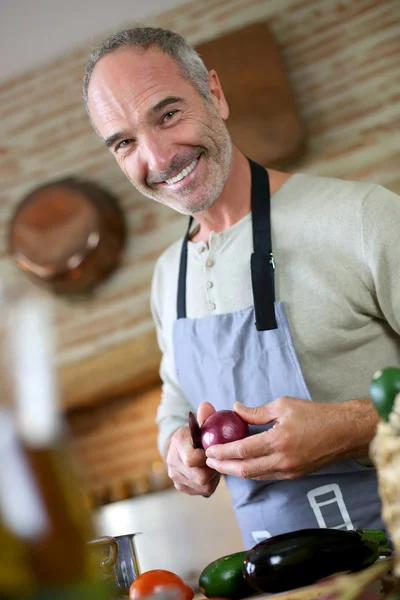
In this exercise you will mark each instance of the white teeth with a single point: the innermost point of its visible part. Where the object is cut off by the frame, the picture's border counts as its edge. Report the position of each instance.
(183, 173)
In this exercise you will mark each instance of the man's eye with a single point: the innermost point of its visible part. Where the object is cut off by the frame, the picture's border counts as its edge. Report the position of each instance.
(123, 144)
(169, 115)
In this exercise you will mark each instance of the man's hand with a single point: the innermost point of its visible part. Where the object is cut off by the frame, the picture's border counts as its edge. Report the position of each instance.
(186, 466)
(306, 436)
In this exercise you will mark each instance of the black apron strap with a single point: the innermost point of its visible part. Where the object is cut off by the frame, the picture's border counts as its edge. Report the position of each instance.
(181, 299)
(262, 260)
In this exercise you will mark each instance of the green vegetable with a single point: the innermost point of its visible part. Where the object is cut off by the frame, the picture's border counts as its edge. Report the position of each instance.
(376, 536)
(223, 578)
(384, 388)
(301, 558)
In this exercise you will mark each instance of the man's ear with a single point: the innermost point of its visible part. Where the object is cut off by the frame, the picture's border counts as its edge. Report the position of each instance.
(217, 95)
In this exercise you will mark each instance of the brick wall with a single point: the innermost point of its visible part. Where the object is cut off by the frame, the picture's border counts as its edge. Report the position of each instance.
(116, 446)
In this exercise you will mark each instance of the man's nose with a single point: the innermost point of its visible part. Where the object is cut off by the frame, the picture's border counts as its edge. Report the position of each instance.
(157, 153)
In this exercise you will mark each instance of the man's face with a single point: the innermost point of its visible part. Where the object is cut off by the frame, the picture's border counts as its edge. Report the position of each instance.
(170, 142)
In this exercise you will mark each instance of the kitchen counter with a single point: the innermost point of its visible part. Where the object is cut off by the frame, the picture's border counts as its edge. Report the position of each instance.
(178, 532)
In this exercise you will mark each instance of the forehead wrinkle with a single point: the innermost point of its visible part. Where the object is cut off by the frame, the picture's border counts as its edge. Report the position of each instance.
(131, 117)
(121, 103)
(146, 98)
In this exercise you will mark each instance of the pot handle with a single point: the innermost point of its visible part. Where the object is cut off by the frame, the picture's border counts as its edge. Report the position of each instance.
(107, 563)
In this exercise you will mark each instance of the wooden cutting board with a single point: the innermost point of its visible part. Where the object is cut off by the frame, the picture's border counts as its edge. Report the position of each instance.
(264, 122)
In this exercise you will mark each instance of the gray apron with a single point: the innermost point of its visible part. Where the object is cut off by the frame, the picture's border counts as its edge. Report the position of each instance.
(249, 356)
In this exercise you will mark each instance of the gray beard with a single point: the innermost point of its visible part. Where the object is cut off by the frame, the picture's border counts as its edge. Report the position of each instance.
(214, 195)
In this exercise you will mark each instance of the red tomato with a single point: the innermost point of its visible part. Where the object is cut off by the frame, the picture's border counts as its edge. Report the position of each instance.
(159, 580)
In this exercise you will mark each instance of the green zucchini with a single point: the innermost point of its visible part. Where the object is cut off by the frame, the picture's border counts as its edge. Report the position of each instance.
(223, 578)
(384, 388)
(301, 558)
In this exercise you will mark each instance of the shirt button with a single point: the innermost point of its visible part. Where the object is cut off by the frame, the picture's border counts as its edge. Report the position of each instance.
(211, 306)
(201, 249)
(209, 262)
(209, 285)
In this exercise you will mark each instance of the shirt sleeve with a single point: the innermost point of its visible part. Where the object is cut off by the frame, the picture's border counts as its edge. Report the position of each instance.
(381, 246)
(174, 408)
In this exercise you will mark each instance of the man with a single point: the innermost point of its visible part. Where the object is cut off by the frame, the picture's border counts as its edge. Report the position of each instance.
(267, 250)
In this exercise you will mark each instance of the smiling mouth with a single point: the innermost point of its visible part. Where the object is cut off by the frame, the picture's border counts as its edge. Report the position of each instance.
(184, 173)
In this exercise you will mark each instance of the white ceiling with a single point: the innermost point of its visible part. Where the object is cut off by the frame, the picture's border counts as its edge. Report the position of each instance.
(32, 32)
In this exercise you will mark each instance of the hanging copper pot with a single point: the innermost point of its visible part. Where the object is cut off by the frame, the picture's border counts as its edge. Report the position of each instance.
(68, 235)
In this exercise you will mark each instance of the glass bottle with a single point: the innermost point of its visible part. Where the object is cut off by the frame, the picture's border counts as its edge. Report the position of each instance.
(42, 512)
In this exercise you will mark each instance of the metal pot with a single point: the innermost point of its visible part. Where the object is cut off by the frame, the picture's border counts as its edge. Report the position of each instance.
(68, 236)
(118, 559)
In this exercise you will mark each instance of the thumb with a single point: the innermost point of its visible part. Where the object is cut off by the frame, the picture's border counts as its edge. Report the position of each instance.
(204, 411)
(259, 415)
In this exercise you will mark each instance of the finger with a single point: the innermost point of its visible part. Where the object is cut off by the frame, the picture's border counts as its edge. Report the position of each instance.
(259, 415)
(183, 479)
(202, 480)
(201, 476)
(186, 489)
(252, 468)
(191, 457)
(213, 485)
(276, 476)
(204, 411)
(207, 491)
(260, 444)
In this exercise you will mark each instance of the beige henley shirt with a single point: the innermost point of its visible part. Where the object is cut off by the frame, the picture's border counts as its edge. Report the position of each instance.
(337, 252)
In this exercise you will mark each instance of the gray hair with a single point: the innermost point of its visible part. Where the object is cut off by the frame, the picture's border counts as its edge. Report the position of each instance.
(188, 60)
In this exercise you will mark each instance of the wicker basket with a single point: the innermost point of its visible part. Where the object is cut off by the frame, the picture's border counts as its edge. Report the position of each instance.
(385, 452)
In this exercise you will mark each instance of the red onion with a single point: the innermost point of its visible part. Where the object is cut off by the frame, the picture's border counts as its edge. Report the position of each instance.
(222, 427)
